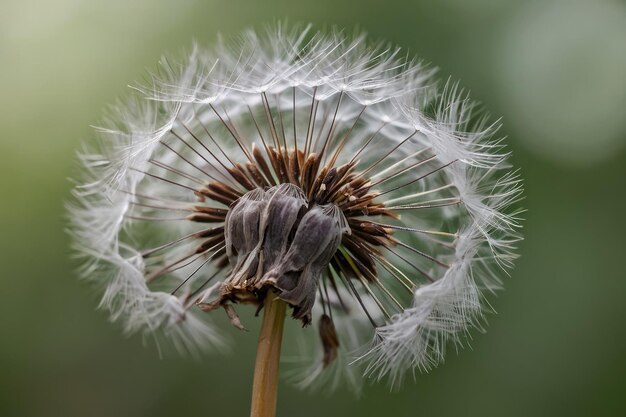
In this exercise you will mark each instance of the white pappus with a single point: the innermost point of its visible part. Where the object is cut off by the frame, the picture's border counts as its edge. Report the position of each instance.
(339, 174)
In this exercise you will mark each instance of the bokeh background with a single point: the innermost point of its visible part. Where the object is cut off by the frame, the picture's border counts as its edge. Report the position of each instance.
(554, 69)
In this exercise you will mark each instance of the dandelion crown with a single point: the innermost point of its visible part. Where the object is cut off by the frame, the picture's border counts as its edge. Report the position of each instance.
(328, 174)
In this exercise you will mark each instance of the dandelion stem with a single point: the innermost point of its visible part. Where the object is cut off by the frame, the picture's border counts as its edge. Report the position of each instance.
(264, 387)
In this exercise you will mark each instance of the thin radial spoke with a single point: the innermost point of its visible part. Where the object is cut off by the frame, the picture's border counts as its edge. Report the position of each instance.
(267, 151)
(394, 272)
(380, 285)
(346, 137)
(295, 132)
(348, 283)
(325, 119)
(419, 194)
(232, 133)
(410, 229)
(312, 115)
(402, 171)
(453, 201)
(377, 282)
(176, 171)
(380, 305)
(375, 279)
(165, 269)
(367, 143)
(400, 162)
(363, 281)
(185, 159)
(163, 179)
(332, 126)
(194, 150)
(212, 155)
(333, 283)
(418, 178)
(201, 287)
(382, 158)
(136, 203)
(196, 270)
(270, 120)
(214, 141)
(280, 118)
(160, 200)
(151, 251)
(420, 253)
(154, 219)
(418, 269)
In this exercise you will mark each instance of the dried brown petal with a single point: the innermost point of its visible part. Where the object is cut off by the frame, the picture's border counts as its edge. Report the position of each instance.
(330, 341)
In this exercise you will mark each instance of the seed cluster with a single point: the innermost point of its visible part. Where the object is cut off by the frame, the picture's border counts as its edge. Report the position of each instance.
(284, 237)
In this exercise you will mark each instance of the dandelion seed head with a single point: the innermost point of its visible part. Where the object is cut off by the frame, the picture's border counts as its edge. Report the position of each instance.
(331, 171)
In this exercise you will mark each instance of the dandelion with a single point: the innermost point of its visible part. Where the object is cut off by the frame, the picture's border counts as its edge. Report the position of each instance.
(301, 173)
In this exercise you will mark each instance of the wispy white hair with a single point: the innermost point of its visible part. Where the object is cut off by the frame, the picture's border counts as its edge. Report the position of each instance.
(399, 94)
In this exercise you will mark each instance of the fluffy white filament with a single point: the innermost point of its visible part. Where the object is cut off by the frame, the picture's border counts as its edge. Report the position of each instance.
(400, 97)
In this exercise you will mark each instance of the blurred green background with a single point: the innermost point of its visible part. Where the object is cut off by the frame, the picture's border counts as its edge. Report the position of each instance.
(556, 72)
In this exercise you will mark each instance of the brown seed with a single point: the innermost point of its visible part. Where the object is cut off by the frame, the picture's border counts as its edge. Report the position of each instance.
(330, 341)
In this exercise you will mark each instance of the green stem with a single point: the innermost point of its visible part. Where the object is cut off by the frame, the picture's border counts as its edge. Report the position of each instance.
(265, 385)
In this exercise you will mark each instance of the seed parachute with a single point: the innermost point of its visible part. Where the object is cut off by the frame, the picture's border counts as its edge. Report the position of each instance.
(339, 176)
